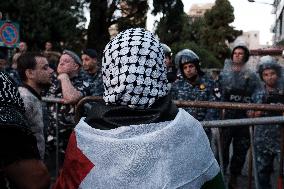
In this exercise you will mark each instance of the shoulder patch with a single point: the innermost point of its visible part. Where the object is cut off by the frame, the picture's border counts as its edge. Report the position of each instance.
(202, 86)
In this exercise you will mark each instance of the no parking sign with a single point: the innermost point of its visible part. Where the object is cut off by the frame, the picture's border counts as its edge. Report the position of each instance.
(9, 34)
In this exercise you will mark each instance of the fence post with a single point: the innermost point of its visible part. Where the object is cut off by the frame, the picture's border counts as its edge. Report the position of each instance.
(57, 141)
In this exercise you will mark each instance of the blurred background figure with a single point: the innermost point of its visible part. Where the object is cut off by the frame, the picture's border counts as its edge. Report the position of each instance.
(48, 46)
(92, 72)
(171, 69)
(3, 61)
(23, 47)
(267, 137)
(14, 60)
(238, 84)
(51, 55)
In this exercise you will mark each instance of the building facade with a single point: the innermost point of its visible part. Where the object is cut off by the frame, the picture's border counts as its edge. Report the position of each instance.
(198, 10)
(250, 38)
(278, 28)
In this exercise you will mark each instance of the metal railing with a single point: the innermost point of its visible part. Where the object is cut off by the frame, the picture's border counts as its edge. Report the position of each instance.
(56, 102)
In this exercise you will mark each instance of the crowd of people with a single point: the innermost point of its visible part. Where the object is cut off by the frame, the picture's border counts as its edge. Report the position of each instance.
(135, 137)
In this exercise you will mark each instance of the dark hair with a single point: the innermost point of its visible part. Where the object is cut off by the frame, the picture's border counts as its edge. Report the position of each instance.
(90, 52)
(27, 61)
(245, 49)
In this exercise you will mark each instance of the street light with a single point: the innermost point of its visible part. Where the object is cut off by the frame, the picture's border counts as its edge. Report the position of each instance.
(261, 2)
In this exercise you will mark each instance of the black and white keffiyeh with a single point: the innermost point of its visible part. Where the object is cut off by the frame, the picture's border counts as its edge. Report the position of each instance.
(11, 105)
(134, 73)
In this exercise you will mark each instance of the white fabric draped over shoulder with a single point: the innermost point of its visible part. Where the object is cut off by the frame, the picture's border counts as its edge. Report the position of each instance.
(172, 154)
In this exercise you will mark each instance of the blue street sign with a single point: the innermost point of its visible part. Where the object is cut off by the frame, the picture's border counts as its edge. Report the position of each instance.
(9, 34)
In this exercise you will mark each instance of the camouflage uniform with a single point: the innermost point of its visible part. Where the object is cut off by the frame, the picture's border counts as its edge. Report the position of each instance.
(267, 138)
(66, 112)
(237, 87)
(201, 91)
(95, 82)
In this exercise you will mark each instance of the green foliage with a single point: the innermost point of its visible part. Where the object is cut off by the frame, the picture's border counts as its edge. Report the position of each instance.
(280, 43)
(217, 31)
(221, 14)
(206, 57)
(100, 20)
(102, 16)
(43, 20)
(165, 6)
(136, 15)
(63, 21)
(207, 36)
(171, 24)
(192, 29)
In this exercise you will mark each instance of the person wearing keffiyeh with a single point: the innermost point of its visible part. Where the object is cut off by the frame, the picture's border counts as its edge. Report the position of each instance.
(20, 164)
(136, 137)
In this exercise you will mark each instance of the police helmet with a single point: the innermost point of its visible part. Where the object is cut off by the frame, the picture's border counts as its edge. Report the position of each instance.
(268, 62)
(188, 56)
(167, 50)
(246, 50)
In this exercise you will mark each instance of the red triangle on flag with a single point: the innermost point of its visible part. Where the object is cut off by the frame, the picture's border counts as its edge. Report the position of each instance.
(75, 168)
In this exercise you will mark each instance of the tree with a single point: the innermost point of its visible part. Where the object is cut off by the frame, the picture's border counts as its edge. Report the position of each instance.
(100, 19)
(47, 20)
(217, 32)
(280, 43)
(180, 31)
(207, 58)
(134, 14)
(171, 24)
(124, 13)
(193, 29)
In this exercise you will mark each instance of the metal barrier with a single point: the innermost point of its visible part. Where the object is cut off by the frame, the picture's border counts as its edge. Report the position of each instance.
(197, 104)
(55, 101)
(52, 100)
(243, 122)
(230, 105)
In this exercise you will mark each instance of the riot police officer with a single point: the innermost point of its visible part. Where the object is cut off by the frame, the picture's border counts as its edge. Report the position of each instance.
(267, 137)
(171, 70)
(193, 85)
(238, 84)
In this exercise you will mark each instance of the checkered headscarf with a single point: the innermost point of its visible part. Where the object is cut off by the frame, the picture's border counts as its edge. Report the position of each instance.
(11, 105)
(134, 73)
